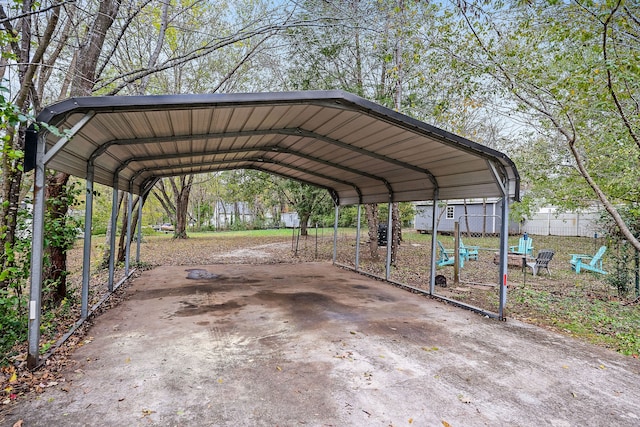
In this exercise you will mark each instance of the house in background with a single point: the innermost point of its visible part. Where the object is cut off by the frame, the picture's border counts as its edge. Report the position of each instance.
(290, 219)
(477, 216)
(226, 214)
(483, 216)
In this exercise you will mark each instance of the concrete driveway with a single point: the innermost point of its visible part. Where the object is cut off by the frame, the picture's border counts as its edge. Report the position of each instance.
(315, 345)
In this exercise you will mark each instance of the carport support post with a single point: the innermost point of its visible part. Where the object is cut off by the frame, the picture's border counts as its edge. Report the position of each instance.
(434, 238)
(86, 258)
(335, 234)
(127, 245)
(456, 251)
(37, 254)
(140, 201)
(358, 237)
(504, 236)
(112, 238)
(387, 272)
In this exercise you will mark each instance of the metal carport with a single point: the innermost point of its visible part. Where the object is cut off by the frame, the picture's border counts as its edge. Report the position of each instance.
(359, 151)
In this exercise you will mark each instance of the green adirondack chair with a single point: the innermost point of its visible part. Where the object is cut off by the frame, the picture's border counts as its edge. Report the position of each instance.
(469, 252)
(446, 256)
(581, 262)
(525, 247)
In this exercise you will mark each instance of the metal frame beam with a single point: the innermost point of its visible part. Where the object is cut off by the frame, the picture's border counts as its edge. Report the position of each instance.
(362, 151)
(267, 149)
(503, 185)
(251, 165)
(60, 144)
(434, 246)
(37, 255)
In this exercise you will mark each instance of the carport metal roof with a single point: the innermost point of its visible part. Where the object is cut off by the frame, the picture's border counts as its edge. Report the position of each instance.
(360, 151)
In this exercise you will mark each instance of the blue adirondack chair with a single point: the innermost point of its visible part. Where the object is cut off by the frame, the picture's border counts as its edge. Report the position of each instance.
(469, 252)
(525, 247)
(581, 262)
(446, 256)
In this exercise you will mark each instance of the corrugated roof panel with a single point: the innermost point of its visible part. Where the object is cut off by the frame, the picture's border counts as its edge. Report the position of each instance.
(97, 131)
(320, 117)
(126, 125)
(332, 139)
(201, 119)
(291, 116)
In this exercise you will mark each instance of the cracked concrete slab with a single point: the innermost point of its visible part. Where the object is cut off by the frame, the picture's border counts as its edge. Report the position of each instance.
(313, 344)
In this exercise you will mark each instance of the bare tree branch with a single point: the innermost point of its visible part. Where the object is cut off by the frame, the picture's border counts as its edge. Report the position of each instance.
(4, 19)
(132, 76)
(612, 91)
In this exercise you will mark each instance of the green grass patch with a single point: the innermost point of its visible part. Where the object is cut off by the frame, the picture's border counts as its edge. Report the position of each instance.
(609, 323)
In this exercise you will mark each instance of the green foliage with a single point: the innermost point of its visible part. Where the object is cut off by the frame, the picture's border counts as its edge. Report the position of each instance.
(306, 200)
(407, 213)
(568, 71)
(13, 300)
(349, 217)
(13, 320)
(61, 231)
(623, 254)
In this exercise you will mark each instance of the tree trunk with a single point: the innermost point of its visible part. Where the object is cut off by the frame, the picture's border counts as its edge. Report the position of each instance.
(372, 222)
(106, 254)
(395, 232)
(484, 217)
(123, 229)
(181, 196)
(82, 84)
(165, 200)
(12, 180)
(466, 217)
(55, 271)
(304, 220)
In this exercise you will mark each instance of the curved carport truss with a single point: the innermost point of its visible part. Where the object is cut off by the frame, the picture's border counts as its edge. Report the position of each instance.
(359, 151)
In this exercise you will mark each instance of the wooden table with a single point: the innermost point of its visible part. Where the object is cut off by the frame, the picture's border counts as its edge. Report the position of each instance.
(513, 259)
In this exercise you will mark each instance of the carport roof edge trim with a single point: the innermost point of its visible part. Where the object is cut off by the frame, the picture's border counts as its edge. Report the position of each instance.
(57, 113)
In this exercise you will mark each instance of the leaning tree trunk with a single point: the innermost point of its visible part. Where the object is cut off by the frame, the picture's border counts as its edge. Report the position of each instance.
(123, 229)
(106, 254)
(81, 85)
